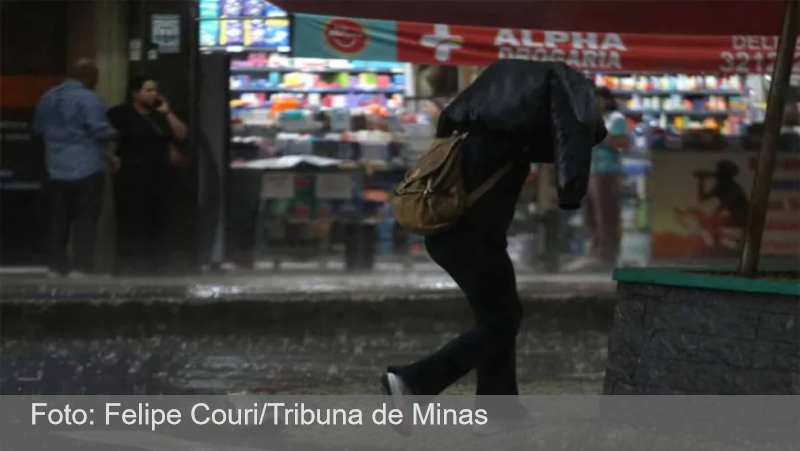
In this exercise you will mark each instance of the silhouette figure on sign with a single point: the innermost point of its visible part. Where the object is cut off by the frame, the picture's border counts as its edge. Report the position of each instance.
(729, 218)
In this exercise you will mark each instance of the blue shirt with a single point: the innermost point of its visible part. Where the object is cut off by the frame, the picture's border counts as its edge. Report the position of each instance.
(606, 159)
(72, 121)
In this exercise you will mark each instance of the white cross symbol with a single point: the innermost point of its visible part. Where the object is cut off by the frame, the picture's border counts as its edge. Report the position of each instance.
(442, 41)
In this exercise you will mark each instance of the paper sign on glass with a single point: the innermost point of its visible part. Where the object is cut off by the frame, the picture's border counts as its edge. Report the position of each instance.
(334, 186)
(277, 186)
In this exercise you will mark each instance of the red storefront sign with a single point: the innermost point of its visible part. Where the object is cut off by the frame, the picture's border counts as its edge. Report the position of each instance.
(609, 52)
(676, 17)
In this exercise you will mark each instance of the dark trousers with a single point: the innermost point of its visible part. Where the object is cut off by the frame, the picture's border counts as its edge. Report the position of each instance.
(474, 254)
(74, 208)
(141, 217)
(602, 216)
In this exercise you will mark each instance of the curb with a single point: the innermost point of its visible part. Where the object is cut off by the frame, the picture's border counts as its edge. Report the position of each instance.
(361, 312)
(15, 292)
(33, 308)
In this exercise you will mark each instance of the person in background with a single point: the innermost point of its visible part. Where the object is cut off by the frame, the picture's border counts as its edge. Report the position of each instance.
(433, 109)
(602, 204)
(148, 131)
(72, 122)
(790, 131)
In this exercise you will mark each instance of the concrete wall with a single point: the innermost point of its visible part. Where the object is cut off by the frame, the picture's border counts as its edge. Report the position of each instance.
(34, 50)
(110, 29)
(674, 340)
(39, 39)
(99, 29)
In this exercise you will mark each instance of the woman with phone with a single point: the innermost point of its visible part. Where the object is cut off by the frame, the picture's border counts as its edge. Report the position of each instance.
(145, 157)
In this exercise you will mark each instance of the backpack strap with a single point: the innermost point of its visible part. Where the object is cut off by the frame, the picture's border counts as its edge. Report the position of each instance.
(488, 184)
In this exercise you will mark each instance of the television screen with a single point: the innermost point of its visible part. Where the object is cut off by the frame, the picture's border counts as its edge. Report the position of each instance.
(209, 9)
(236, 9)
(243, 23)
(262, 33)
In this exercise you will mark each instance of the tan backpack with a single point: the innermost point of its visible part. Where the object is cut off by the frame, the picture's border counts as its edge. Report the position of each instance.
(431, 197)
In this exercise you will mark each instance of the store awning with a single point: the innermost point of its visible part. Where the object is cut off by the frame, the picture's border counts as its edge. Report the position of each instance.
(682, 17)
(388, 40)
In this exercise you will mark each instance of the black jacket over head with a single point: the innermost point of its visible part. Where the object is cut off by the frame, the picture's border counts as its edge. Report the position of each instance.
(549, 107)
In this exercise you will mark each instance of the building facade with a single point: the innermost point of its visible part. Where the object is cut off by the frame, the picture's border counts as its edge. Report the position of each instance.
(38, 41)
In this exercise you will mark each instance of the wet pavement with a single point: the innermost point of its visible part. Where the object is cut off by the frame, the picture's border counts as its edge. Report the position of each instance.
(275, 332)
(273, 304)
(305, 362)
(284, 286)
(335, 339)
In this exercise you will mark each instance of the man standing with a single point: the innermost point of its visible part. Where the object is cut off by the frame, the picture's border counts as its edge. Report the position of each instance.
(71, 118)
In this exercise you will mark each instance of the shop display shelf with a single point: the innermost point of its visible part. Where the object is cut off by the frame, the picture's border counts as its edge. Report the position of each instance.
(314, 70)
(244, 49)
(354, 90)
(681, 112)
(272, 15)
(684, 92)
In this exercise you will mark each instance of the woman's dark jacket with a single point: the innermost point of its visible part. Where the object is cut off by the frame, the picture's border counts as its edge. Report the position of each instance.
(549, 106)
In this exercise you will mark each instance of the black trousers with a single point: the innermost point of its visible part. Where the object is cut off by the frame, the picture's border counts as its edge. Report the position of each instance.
(474, 254)
(141, 201)
(74, 208)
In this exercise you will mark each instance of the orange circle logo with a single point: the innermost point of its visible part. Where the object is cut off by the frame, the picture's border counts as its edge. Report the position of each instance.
(346, 36)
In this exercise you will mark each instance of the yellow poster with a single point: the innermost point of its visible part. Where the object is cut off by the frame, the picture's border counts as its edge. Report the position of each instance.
(700, 200)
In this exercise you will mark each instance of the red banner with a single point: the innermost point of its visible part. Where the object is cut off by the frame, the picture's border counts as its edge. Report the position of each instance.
(606, 52)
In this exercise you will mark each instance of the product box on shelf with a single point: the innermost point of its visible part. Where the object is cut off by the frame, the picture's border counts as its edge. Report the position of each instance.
(232, 8)
(209, 33)
(703, 140)
(209, 9)
(341, 150)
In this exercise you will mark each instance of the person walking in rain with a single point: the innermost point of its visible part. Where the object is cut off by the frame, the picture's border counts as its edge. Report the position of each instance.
(515, 113)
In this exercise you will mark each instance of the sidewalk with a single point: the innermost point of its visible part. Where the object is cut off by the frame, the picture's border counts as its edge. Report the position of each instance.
(286, 286)
(259, 304)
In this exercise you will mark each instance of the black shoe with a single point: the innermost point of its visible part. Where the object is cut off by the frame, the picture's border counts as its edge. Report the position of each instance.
(398, 393)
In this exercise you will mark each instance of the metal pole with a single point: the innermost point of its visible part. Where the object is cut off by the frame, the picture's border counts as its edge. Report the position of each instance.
(759, 197)
(144, 36)
(194, 132)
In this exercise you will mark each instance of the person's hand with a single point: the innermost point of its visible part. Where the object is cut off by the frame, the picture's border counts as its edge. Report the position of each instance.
(177, 159)
(163, 108)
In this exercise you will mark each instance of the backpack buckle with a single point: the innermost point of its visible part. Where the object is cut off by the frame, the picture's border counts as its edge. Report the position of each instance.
(428, 189)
